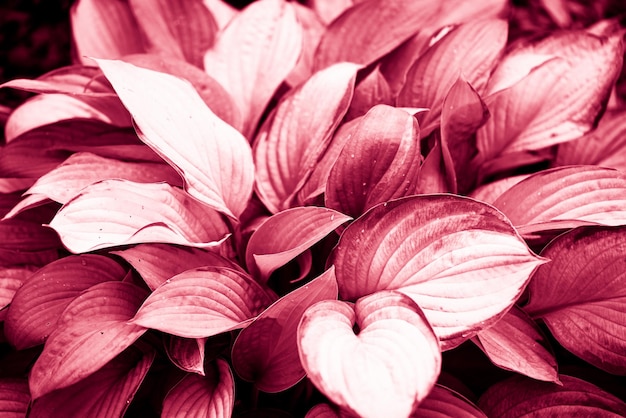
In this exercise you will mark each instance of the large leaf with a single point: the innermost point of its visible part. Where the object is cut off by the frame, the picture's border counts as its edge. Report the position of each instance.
(14, 397)
(284, 236)
(386, 369)
(119, 212)
(519, 396)
(107, 392)
(254, 54)
(92, 330)
(581, 295)
(198, 396)
(48, 292)
(158, 262)
(174, 121)
(266, 351)
(294, 138)
(203, 302)
(27, 243)
(577, 194)
(516, 343)
(379, 162)
(460, 260)
(442, 402)
(470, 50)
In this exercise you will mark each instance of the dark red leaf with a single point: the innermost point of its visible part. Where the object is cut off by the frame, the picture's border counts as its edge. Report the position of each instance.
(186, 353)
(11, 279)
(14, 397)
(442, 402)
(21, 235)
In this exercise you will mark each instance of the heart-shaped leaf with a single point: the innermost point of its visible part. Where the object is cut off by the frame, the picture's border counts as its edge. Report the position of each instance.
(266, 351)
(92, 330)
(293, 139)
(254, 54)
(107, 392)
(520, 396)
(48, 292)
(516, 343)
(460, 260)
(198, 396)
(158, 262)
(386, 369)
(581, 295)
(167, 110)
(119, 212)
(14, 397)
(203, 302)
(380, 162)
(284, 236)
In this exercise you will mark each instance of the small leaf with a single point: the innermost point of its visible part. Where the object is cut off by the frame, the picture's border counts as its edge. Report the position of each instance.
(11, 279)
(266, 351)
(92, 330)
(14, 397)
(519, 396)
(174, 121)
(119, 212)
(371, 90)
(581, 295)
(282, 237)
(442, 402)
(107, 392)
(516, 343)
(78, 80)
(385, 370)
(254, 54)
(197, 396)
(460, 260)
(293, 139)
(186, 353)
(203, 302)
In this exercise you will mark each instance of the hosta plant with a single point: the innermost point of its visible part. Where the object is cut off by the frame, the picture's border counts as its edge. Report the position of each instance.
(397, 208)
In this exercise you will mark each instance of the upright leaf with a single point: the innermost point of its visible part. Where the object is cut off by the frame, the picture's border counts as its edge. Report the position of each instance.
(188, 354)
(459, 259)
(213, 158)
(581, 295)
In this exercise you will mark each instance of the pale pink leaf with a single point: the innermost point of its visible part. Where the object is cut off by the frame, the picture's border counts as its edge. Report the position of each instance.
(296, 135)
(14, 397)
(186, 353)
(581, 296)
(158, 262)
(470, 51)
(222, 12)
(198, 396)
(380, 162)
(107, 392)
(490, 192)
(329, 10)
(78, 80)
(203, 302)
(312, 30)
(442, 402)
(254, 54)
(516, 343)
(282, 237)
(92, 330)
(519, 396)
(266, 351)
(461, 260)
(120, 212)
(214, 159)
(386, 369)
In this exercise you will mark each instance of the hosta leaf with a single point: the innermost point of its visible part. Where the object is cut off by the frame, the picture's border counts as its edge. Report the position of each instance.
(104, 29)
(203, 302)
(187, 353)
(266, 351)
(27, 243)
(459, 259)
(213, 158)
(282, 237)
(581, 295)
(471, 50)
(14, 397)
(379, 162)
(107, 392)
(197, 396)
(434, 177)
(77, 80)
(119, 212)
(442, 402)
(490, 192)
(293, 139)
(222, 12)
(254, 54)
(11, 279)
(579, 194)
(158, 262)
(312, 30)
(384, 370)
(516, 343)
(183, 29)
(519, 396)
(92, 330)
(322, 410)
(329, 10)
(371, 90)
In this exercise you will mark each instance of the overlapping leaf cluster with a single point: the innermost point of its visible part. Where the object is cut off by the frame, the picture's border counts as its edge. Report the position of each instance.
(321, 203)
